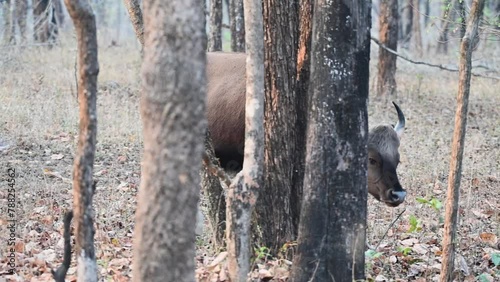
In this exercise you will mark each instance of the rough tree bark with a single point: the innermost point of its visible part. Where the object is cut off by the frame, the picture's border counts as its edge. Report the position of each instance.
(244, 189)
(333, 220)
(173, 114)
(215, 38)
(458, 143)
(83, 186)
(135, 14)
(237, 25)
(287, 35)
(388, 35)
(274, 210)
(8, 7)
(214, 194)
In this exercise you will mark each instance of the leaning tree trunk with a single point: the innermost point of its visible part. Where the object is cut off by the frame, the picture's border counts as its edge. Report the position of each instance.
(244, 190)
(237, 25)
(215, 39)
(173, 114)
(388, 36)
(135, 14)
(333, 220)
(458, 143)
(83, 186)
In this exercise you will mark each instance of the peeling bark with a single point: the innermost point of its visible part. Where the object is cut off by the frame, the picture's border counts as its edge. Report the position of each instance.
(83, 185)
(458, 143)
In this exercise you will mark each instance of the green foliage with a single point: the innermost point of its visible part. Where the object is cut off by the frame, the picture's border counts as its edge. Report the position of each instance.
(261, 253)
(483, 278)
(405, 250)
(433, 203)
(495, 258)
(372, 254)
(415, 224)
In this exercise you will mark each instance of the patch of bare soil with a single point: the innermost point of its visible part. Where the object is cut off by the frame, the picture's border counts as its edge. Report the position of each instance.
(39, 123)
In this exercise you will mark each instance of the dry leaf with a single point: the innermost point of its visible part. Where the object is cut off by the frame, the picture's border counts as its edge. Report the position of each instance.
(489, 238)
(57, 156)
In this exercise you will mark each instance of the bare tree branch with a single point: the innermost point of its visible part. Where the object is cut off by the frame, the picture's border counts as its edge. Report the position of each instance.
(428, 64)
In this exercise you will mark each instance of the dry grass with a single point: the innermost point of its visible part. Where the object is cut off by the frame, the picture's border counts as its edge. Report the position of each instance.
(39, 121)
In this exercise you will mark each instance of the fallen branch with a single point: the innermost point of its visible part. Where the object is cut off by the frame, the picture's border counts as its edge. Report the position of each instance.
(60, 274)
(425, 63)
(387, 230)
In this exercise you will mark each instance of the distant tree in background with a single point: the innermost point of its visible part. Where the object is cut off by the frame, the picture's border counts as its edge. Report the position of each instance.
(237, 25)
(416, 35)
(215, 37)
(388, 35)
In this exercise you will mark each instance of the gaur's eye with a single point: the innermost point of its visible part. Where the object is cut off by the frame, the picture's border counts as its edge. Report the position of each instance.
(372, 161)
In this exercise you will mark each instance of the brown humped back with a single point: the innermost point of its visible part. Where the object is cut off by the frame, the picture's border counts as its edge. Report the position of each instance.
(226, 104)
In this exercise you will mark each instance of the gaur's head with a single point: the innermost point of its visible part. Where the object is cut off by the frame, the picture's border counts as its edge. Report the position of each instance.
(383, 160)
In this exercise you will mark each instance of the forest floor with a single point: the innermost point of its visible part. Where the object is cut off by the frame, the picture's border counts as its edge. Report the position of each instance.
(39, 125)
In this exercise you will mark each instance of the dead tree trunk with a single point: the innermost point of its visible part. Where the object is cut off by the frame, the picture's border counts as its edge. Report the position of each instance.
(333, 220)
(427, 12)
(237, 25)
(135, 14)
(243, 192)
(83, 186)
(388, 35)
(215, 39)
(173, 114)
(458, 143)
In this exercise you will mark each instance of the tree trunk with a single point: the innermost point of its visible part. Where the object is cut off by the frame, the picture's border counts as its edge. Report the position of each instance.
(237, 25)
(243, 192)
(59, 12)
(274, 212)
(215, 39)
(409, 21)
(173, 114)
(301, 106)
(445, 26)
(45, 28)
(6, 21)
(388, 36)
(214, 194)
(417, 35)
(427, 12)
(83, 186)
(21, 12)
(458, 143)
(333, 220)
(135, 14)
